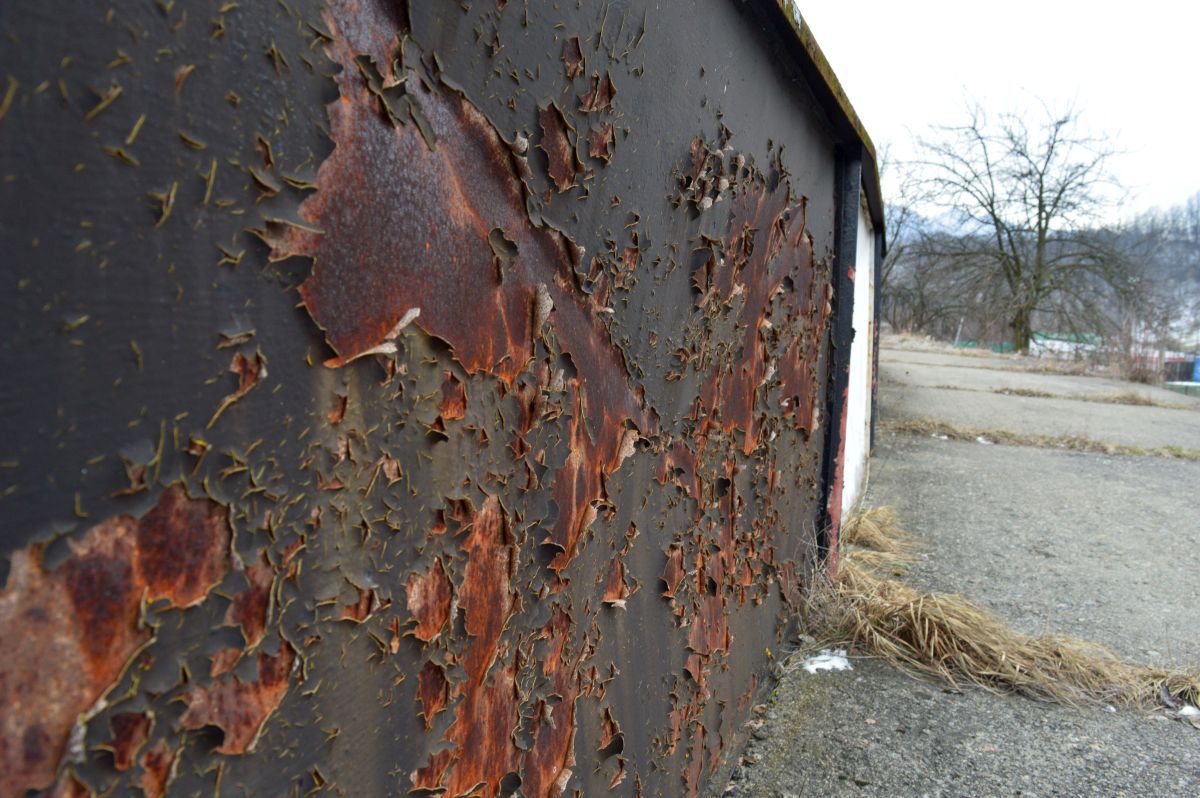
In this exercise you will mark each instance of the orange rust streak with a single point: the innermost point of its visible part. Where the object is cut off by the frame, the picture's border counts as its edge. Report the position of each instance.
(547, 765)
(487, 716)
(486, 594)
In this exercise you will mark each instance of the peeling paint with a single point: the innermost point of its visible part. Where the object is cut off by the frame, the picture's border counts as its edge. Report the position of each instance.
(240, 708)
(430, 597)
(548, 311)
(82, 623)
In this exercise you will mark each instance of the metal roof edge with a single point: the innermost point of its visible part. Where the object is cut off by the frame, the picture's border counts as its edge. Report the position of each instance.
(835, 96)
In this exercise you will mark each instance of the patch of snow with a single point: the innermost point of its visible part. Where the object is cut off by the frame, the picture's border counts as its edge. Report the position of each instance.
(828, 660)
(1189, 711)
(983, 440)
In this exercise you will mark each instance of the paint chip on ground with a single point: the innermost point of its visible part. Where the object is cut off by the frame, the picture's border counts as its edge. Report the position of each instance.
(828, 660)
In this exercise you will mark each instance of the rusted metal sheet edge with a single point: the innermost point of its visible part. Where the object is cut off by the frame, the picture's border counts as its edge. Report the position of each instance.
(841, 336)
(836, 101)
(806, 39)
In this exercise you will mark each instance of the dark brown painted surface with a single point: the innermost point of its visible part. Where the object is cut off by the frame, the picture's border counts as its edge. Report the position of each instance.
(403, 397)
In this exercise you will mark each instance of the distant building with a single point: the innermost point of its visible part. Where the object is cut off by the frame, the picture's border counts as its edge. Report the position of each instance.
(1065, 346)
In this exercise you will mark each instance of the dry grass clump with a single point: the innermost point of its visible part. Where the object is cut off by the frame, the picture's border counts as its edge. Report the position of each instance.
(877, 528)
(875, 539)
(1026, 392)
(1123, 398)
(949, 637)
(923, 426)
(1133, 398)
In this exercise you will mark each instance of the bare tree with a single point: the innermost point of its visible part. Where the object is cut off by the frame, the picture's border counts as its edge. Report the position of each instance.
(1022, 205)
(1161, 309)
(909, 301)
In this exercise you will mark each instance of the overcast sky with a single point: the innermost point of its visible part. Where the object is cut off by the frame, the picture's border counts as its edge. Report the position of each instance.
(1130, 68)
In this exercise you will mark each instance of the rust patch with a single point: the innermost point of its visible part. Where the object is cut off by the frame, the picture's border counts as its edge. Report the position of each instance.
(250, 608)
(769, 244)
(555, 633)
(80, 622)
(673, 571)
(482, 734)
(558, 145)
(600, 95)
(547, 766)
(158, 768)
(601, 141)
(182, 548)
(429, 600)
(223, 661)
(484, 750)
(130, 730)
(454, 398)
(616, 591)
(433, 691)
(710, 628)
(486, 594)
(240, 709)
(695, 766)
(423, 251)
(580, 482)
(572, 57)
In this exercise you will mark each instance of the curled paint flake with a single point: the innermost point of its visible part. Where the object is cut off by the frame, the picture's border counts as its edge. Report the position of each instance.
(600, 95)
(572, 57)
(673, 571)
(616, 591)
(250, 372)
(386, 347)
(601, 142)
(563, 163)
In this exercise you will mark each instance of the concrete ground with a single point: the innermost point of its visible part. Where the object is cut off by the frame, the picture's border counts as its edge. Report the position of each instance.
(962, 390)
(1101, 547)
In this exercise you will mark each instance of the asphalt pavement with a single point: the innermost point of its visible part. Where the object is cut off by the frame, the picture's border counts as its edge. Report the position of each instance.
(1096, 546)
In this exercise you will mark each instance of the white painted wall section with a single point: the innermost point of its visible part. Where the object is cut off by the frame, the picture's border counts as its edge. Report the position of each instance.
(858, 402)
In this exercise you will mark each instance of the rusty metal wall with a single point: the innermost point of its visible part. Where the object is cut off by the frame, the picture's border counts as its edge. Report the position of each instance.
(405, 397)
